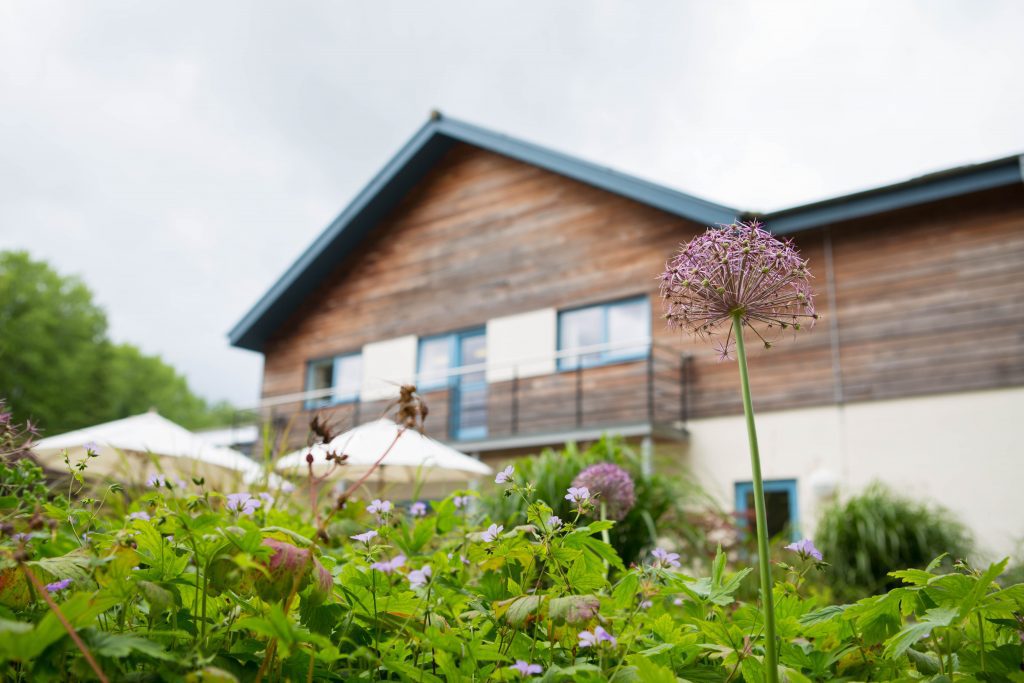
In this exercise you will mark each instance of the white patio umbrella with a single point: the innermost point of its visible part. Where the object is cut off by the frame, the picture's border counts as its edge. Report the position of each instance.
(414, 458)
(135, 448)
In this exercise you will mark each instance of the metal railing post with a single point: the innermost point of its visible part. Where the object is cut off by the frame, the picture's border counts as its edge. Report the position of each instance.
(650, 384)
(579, 393)
(515, 401)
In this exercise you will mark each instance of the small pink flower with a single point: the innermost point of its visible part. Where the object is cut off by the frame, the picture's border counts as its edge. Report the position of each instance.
(663, 558)
(419, 577)
(365, 537)
(58, 586)
(492, 532)
(526, 669)
(141, 514)
(505, 475)
(418, 509)
(379, 507)
(389, 566)
(805, 548)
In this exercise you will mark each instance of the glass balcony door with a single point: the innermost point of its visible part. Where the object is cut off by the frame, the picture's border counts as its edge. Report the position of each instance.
(469, 390)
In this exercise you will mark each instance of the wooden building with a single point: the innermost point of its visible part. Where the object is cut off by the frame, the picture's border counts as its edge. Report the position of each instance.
(516, 287)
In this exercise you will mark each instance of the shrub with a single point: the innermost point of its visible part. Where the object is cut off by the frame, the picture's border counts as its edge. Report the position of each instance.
(875, 531)
(658, 498)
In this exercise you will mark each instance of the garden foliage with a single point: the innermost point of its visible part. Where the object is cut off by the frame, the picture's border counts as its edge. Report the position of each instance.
(184, 584)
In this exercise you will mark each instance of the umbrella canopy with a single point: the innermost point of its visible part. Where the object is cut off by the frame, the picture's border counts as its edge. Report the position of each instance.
(413, 458)
(134, 449)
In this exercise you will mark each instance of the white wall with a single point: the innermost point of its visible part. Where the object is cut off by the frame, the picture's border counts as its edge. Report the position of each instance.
(961, 450)
(522, 337)
(387, 364)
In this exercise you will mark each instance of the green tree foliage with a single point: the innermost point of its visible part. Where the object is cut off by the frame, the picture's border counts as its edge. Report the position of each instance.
(868, 535)
(58, 367)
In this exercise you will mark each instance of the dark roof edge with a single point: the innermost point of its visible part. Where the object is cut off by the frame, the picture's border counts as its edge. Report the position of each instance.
(661, 197)
(922, 190)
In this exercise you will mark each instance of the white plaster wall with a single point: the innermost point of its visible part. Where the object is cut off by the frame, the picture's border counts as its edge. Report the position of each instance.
(960, 450)
(387, 364)
(513, 339)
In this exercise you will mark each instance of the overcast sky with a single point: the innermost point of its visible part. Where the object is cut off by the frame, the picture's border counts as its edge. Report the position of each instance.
(179, 155)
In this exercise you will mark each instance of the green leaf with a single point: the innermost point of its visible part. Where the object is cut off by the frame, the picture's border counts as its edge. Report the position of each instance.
(123, 645)
(910, 634)
(586, 574)
(649, 672)
(822, 615)
(625, 591)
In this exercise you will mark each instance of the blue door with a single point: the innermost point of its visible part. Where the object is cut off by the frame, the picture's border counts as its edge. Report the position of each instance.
(469, 390)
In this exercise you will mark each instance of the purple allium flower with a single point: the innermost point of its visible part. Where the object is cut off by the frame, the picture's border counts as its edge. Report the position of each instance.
(418, 509)
(389, 566)
(492, 532)
(57, 586)
(612, 485)
(242, 503)
(739, 268)
(805, 548)
(526, 669)
(599, 635)
(419, 577)
(663, 558)
(505, 475)
(365, 537)
(461, 501)
(554, 521)
(141, 514)
(379, 507)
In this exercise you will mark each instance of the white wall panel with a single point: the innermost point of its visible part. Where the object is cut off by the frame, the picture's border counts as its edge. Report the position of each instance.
(524, 343)
(387, 364)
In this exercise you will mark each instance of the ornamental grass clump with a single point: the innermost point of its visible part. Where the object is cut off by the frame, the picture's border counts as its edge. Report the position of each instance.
(739, 277)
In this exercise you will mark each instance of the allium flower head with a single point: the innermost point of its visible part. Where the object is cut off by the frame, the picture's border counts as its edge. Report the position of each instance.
(612, 485)
(739, 268)
(805, 548)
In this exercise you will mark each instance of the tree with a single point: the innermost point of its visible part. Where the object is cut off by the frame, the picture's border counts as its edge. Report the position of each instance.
(59, 368)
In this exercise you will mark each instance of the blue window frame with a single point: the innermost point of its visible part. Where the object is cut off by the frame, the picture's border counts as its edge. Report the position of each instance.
(624, 325)
(780, 506)
(436, 358)
(342, 373)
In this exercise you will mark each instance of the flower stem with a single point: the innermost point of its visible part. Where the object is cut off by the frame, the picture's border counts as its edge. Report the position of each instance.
(771, 664)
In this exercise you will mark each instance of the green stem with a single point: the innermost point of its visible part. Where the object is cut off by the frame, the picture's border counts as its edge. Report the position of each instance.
(763, 559)
(981, 635)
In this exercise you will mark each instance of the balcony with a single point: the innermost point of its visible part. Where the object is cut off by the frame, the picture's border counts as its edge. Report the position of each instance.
(637, 390)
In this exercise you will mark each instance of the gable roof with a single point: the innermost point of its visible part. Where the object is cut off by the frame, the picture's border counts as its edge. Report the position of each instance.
(415, 159)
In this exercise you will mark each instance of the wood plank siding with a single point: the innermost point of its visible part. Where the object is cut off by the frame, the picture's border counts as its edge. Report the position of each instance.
(927, 300)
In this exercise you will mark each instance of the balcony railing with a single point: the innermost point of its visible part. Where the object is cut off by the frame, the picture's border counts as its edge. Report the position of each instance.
(636, 389)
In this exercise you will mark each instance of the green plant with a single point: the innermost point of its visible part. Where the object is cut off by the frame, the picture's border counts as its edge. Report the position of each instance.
(659, 498)
(876, 530)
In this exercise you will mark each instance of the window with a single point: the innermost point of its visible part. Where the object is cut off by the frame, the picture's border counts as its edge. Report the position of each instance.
(436, 358)
(342, 373)
(779, 502)
(622, 327)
